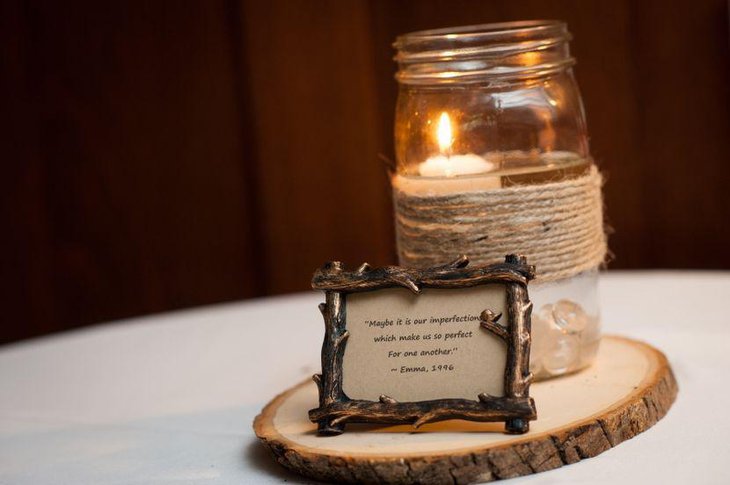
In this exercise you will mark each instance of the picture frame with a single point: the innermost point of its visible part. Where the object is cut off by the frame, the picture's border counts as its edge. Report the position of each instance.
(516, 408)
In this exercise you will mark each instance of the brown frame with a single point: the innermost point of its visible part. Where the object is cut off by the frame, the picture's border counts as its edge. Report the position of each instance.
(516, 407)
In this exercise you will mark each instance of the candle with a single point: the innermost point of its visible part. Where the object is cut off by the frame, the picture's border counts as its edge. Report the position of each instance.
(448, 173)
(450, 166)
(447, 165)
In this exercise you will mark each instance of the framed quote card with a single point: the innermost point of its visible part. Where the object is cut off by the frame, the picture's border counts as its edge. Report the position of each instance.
(423, 345)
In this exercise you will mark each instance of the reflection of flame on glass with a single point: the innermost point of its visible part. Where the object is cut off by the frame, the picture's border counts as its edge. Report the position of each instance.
(444, 134)
(530, 58)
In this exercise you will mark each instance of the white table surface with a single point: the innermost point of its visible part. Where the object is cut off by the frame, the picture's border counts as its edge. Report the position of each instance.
(170, 398)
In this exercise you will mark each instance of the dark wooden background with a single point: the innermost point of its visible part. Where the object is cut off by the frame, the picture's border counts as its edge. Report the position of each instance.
(159, 155)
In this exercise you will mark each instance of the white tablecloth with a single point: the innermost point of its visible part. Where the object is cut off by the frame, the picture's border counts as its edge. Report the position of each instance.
(170, 398)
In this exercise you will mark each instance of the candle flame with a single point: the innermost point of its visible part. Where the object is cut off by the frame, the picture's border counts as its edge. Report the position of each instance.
(444, 134)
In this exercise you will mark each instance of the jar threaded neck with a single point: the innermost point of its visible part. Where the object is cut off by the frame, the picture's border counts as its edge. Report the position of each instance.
(483, 53)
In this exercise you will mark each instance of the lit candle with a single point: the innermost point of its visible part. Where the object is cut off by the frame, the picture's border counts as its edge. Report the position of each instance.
(447, 165)
(447, 173)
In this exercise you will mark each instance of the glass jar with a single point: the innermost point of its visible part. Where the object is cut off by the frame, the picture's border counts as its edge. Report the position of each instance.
(491, 108)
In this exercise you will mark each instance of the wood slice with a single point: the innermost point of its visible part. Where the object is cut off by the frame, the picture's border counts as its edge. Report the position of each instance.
(628, 389)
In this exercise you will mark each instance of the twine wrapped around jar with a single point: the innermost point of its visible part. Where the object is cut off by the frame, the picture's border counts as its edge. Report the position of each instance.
(557, 225)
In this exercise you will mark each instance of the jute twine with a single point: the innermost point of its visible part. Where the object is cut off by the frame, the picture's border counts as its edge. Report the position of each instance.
(557, 225)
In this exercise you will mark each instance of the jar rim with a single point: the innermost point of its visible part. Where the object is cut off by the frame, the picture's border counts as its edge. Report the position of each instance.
(502, 50)
(482, 31)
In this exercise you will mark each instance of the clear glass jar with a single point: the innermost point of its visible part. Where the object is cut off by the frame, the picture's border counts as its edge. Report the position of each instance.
(493, 106)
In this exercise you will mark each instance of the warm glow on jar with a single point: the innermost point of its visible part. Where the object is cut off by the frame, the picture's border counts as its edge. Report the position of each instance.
(509, 98)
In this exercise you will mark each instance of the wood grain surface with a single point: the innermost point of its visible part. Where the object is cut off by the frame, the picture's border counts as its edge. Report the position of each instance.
(454, 452)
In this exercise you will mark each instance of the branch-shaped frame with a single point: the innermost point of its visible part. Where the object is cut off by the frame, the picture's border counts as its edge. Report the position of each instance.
(516, 407)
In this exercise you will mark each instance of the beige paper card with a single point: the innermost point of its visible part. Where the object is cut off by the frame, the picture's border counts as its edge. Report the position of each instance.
(422, 347)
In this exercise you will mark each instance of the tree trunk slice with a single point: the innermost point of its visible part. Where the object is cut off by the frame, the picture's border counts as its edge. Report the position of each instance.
(627, 390)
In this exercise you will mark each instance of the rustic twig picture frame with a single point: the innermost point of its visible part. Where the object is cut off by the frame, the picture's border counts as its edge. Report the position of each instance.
(516, 407)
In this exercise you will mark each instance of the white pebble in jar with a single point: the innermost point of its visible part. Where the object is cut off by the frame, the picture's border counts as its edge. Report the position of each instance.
(569, 316)
(562, 354)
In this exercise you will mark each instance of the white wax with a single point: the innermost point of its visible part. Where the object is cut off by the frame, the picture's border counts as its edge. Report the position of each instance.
(442, 175)
(443, 166)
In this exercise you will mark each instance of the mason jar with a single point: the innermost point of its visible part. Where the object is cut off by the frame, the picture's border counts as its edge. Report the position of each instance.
(492, 158)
